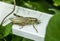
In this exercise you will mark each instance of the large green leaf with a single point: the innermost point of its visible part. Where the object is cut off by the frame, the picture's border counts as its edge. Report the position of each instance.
(53, 28)
(56, 2)
(5, 30)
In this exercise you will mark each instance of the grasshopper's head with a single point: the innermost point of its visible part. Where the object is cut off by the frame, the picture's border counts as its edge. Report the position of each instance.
(33, 21)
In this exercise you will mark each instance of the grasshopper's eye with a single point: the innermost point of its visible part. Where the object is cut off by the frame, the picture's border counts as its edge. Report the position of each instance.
(37, 22)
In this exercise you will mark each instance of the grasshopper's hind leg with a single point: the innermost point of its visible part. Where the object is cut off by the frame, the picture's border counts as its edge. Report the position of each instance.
(35, 28)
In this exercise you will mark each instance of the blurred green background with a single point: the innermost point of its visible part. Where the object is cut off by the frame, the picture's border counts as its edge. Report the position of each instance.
(38, 5)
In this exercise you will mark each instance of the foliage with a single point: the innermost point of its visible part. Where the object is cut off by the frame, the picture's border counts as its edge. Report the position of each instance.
(56, 2)
(5, 30)
(53, 27)
(18, 38)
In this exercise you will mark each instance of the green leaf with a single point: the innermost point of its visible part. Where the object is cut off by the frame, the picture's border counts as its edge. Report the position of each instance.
(56, 2)
(16, 38)
(53, 28)
(24, 39)
(5, 30)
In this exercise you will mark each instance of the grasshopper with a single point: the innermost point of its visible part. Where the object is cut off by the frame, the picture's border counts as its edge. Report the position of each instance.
(23, 21)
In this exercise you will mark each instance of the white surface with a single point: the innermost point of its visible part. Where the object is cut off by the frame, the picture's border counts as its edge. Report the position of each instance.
(27, 31)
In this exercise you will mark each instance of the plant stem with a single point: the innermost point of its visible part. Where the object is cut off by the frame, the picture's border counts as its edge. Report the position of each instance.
(9, 13)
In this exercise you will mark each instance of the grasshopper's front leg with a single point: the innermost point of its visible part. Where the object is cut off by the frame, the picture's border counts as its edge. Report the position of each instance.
(22, 25)
(35, 28)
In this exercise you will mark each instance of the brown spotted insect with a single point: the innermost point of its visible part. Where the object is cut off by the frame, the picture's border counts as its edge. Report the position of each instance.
(23, 21)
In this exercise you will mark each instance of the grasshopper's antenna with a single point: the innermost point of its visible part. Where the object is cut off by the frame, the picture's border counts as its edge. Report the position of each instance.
(16, 15)
(10, 12)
